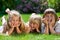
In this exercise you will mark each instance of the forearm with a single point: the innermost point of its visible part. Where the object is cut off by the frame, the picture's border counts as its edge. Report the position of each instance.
(10, 31)
(18, 30)
(46, 30)
(27, 30)
(51, 29)
(37, 30)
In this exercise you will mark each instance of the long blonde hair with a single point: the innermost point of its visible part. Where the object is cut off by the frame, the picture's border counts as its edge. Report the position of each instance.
(35, 18)
(7, 26)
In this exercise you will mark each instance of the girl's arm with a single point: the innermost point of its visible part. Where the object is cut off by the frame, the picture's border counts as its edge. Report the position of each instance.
(45, 21)
(51, 29)
(27, 30)
(18, 30)
(10, 31)
(46, 31)
(51, 25)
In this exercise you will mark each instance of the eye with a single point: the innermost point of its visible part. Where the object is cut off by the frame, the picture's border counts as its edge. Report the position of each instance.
(47, 16)
(33, 23)
(30, 22)
(13, 20)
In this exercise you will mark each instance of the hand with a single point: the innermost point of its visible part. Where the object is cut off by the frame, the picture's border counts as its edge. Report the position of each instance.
(18, 30)
(10, 31)
(45, 21)
(46, 31)
(38, 30)
(11, 25)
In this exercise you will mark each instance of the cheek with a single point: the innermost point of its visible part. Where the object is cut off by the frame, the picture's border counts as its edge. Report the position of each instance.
(12, 22)
(31, 25)
(17, 22)
(36, 25)
(59, 18)
(46, 17)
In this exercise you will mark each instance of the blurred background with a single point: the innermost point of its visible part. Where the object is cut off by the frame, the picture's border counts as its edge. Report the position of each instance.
(29, 6)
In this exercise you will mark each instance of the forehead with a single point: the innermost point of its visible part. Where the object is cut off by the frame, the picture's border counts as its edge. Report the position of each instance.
(14, 17)
(49, 14)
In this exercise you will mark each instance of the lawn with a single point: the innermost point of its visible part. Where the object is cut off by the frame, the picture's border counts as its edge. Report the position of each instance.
(30, 36)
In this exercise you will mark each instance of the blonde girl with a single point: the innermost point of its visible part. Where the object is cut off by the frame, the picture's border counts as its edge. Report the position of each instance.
(34, 24)
(14, 23)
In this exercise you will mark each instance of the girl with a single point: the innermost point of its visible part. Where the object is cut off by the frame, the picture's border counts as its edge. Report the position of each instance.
(34, 23)
(14, 23)
(49, 20)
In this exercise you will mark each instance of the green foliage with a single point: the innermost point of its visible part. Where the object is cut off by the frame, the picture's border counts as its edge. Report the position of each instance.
(36, 6)
(54, 4)
(57, 6)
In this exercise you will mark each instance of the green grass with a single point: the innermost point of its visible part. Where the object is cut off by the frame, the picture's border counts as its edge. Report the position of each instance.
(30, 36)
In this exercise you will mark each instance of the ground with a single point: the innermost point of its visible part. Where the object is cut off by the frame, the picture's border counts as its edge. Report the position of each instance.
(30, 36)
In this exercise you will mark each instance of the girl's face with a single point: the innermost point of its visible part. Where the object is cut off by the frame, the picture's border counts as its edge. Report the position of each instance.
(33, 25)
(49, 17)
(14, 22)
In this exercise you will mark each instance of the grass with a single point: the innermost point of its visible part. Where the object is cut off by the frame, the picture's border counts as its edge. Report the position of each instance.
(30, 36)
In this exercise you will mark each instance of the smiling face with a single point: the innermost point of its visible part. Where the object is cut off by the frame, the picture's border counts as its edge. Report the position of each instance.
(49, 17)
(14, 21)
(34, 24)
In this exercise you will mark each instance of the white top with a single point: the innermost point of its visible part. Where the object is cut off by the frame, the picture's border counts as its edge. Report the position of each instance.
(57, 26)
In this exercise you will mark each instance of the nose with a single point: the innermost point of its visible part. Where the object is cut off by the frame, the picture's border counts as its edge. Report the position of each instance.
(14, 22)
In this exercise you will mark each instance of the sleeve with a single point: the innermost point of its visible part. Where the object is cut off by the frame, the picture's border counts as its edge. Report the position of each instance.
(42, 28)
(1, 29)
(56, 24)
